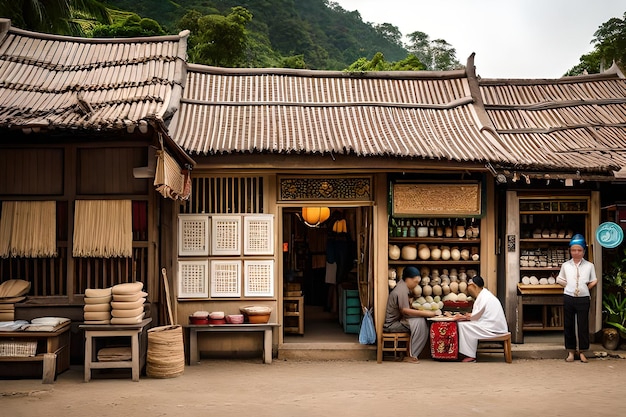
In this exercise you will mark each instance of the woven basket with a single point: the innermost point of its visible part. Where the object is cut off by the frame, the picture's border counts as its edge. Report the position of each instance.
(19, 349)
(166, 352)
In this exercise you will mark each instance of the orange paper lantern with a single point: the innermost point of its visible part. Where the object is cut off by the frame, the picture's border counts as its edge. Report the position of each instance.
(314, 216)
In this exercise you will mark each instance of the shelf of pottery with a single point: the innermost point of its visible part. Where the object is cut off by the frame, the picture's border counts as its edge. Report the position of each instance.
(446, 251)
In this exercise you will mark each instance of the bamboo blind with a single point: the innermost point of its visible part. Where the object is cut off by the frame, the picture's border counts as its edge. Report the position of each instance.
(103, 229)
(28, 229)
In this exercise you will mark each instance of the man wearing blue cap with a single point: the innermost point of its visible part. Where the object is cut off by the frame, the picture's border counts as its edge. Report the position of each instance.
(578, 276)
(400, 317)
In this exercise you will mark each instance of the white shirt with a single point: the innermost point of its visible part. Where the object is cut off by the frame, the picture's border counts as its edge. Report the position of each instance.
(577, 276)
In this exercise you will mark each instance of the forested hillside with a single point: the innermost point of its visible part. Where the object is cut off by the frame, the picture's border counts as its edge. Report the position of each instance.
(323, 33)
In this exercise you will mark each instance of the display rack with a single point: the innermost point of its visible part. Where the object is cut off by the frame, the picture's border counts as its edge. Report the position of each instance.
(460, 237)
(545, 227)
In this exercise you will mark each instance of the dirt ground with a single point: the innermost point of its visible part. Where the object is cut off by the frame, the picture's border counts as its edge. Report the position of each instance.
(489, 387)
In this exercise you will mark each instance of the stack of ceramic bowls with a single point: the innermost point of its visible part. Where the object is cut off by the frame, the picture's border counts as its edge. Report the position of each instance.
(97, 309)
(127, 306)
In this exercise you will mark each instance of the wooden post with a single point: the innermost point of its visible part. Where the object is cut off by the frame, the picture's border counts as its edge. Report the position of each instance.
(49, 367)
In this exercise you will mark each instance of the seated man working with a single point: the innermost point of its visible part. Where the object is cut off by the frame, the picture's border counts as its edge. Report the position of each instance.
(486, 319)
(400, 317)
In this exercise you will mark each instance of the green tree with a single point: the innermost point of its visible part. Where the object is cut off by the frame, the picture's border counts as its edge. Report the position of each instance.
(62, 17)
(132, 26)
(216, 39)
(437, 55)
(378, 63)
(390, 33)
(609, 46)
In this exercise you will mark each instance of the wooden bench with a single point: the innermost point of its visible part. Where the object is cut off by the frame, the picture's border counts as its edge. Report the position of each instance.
(504, 346)
(398, 343)
(53, 350)
(194, 329)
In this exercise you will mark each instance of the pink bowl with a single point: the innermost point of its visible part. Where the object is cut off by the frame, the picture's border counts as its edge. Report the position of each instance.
(234, 318)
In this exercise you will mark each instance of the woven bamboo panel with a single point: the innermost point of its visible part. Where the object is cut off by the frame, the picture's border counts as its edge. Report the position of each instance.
(18, 349)
(193, 279)
(225, 278)
(225, 235)
(193, 235)
(259, 278)
(258, 234)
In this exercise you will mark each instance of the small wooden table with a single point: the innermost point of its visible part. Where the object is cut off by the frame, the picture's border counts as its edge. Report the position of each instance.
(115, 330)
(53, 350)
(194, 329)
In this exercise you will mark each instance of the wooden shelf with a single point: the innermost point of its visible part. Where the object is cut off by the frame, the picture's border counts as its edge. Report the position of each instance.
(539, 268)
(435, 240)
(544, 240)
(420, 262)
(293, 308)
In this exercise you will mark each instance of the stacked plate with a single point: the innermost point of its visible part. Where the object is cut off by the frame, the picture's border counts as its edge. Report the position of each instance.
(97, 309)
(127, 306)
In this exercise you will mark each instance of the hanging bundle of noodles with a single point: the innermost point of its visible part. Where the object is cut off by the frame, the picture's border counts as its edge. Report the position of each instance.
(28, 229)
(103, 229)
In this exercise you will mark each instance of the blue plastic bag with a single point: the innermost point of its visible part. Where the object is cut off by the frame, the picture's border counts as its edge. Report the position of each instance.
(367, 334)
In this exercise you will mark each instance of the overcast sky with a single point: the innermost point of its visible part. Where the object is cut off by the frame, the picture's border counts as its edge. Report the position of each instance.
(511, 38)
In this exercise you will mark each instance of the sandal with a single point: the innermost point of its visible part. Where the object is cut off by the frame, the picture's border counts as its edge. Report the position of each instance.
(411, 359)
(469, 360)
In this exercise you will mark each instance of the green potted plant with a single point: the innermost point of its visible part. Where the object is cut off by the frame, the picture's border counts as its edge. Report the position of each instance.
(614, 304)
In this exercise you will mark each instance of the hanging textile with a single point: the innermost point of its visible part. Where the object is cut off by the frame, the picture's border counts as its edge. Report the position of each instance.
(170, 180)
(103, 229)
(28, 229)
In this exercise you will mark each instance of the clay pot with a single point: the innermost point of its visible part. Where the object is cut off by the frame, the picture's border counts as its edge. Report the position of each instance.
(423, 252)
(610, 338)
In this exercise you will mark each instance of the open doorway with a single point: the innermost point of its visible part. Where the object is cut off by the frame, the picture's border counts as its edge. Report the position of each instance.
(326, 270)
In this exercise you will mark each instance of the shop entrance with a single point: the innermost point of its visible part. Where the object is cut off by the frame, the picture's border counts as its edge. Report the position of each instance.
(326, 275)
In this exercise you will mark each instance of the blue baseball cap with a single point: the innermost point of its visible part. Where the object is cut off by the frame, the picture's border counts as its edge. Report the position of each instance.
(579, 240)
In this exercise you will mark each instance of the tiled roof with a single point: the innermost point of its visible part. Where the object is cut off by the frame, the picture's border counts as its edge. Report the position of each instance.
(420, 114)
(573, 123)
(58, 82)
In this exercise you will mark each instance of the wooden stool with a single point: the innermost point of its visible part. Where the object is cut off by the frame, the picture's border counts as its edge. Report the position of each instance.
(393, 342)
(505, 348)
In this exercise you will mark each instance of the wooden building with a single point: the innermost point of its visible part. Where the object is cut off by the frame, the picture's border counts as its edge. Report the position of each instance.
(82, 119)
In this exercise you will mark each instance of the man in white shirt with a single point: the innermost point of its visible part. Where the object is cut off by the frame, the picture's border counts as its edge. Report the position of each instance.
(486, 319)
(578, 276)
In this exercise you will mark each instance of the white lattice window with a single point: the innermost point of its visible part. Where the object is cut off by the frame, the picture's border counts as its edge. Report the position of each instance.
(258, 235)
(225, 278)
(259, 278)
(193, 235)
(193, 279)
(225, 235)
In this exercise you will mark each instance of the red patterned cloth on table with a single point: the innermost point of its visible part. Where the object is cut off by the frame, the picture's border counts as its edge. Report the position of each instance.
(444, 340)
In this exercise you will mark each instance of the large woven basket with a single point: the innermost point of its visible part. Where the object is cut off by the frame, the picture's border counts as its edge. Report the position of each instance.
(166, 352)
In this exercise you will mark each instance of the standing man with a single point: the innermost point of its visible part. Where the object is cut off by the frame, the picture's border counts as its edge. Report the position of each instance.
(578, 276)
(486, 319)
(400, 317)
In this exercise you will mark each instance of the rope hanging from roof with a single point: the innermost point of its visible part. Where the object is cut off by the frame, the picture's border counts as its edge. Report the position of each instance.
(28, 229)
(170, 180)
(103, 229)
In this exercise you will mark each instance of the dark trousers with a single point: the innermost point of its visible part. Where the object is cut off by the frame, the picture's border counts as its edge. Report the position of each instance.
(576, 312)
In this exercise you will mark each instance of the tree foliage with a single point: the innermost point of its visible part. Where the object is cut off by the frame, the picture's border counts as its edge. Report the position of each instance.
(63, 17)
(132, 26)
(378, 63)
(609, 46)
(436, 55)
(216, 39)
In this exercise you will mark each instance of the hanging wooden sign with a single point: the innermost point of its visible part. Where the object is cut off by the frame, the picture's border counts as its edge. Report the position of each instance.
(436, 199)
